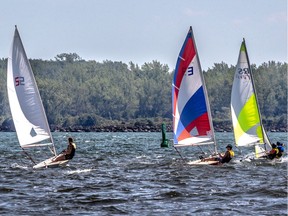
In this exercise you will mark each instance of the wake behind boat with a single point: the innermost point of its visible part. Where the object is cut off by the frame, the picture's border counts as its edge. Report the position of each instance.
(192, 120)
(26, 106)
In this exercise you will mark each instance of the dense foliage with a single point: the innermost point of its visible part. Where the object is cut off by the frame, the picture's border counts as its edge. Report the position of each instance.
(76, 92)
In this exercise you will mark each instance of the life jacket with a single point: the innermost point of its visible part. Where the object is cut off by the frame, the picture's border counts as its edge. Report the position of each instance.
(280, 151)
(273, 153)
(231, 153)
(229, 157)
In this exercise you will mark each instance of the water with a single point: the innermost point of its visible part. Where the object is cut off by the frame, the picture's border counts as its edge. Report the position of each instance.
(129, 174)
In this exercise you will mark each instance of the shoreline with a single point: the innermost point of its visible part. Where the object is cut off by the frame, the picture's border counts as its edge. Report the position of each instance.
(130, 128)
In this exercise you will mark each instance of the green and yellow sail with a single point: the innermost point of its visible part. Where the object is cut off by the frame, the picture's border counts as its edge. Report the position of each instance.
(246, 118)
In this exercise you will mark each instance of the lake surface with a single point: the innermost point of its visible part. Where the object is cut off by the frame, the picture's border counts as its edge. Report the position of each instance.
(129, 174)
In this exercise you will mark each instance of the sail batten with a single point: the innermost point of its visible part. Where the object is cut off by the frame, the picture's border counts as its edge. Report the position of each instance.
(246, 117)
(24, 99)
(192, 123)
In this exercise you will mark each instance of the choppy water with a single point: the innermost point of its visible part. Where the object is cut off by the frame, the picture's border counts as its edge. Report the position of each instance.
(129, 174)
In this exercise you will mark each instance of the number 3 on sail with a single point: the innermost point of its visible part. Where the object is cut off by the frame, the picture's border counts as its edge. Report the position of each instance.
(192, 120)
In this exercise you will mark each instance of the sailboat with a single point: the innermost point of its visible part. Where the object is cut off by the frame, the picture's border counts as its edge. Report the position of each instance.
(192, 119)
(26, 106)
(246, 117)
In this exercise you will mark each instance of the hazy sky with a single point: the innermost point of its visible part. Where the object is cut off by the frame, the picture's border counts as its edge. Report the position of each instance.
(145, 30)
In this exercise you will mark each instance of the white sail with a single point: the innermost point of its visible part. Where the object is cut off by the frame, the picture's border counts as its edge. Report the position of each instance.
(25, 103)
(246, 118)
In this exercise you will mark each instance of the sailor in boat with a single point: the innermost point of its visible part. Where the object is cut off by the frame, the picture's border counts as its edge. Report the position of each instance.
(68, 153)
(281, 149)
(273, 152)
(226, 158)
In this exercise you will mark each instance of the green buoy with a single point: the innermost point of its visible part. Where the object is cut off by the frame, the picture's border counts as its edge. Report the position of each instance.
(165, 141)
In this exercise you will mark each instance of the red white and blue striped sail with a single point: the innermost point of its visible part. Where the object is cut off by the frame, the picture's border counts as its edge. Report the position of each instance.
(192, 122)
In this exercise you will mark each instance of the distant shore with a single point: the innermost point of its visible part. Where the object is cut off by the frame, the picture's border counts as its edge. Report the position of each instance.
(133, 128)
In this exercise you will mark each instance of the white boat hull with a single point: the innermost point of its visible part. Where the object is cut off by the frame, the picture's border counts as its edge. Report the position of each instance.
(201, 162)
(265, 160)
(50, 164)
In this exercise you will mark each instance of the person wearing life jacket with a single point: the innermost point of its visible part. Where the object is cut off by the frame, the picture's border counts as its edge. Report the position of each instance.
(68, 153)
(229, 154)
(273, 152)
(281, 150)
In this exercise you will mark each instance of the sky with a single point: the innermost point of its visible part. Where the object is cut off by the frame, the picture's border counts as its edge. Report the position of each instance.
(145, 30)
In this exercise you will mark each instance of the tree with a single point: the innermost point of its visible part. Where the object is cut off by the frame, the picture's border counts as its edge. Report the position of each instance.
(68, 57)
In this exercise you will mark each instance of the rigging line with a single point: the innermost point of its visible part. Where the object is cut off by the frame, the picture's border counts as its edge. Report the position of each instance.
(29, 156)
(51, 150)
(179, 153)
(201, 149)
(210, 150)
(239, 149)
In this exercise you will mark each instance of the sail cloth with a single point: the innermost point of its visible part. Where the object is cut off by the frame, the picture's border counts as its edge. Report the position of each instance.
(192, 122)
(25, 103)
(246, 118)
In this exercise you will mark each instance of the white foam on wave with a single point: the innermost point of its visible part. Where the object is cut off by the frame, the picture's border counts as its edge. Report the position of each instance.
(15, 165)
(79, 171)
(284, 159)
(141, 156)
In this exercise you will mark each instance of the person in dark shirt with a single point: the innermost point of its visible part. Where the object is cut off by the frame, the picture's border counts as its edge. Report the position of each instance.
(228, 155)
(68, 153)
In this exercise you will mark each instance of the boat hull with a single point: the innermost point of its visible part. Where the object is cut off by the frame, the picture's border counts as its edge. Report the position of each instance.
(50, 164)
(259, 161)
(201, 162)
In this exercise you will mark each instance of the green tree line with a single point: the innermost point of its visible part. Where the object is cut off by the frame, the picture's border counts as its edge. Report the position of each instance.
(76, 92)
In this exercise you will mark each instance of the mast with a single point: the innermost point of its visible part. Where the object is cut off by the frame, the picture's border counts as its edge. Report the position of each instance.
(205, 92)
